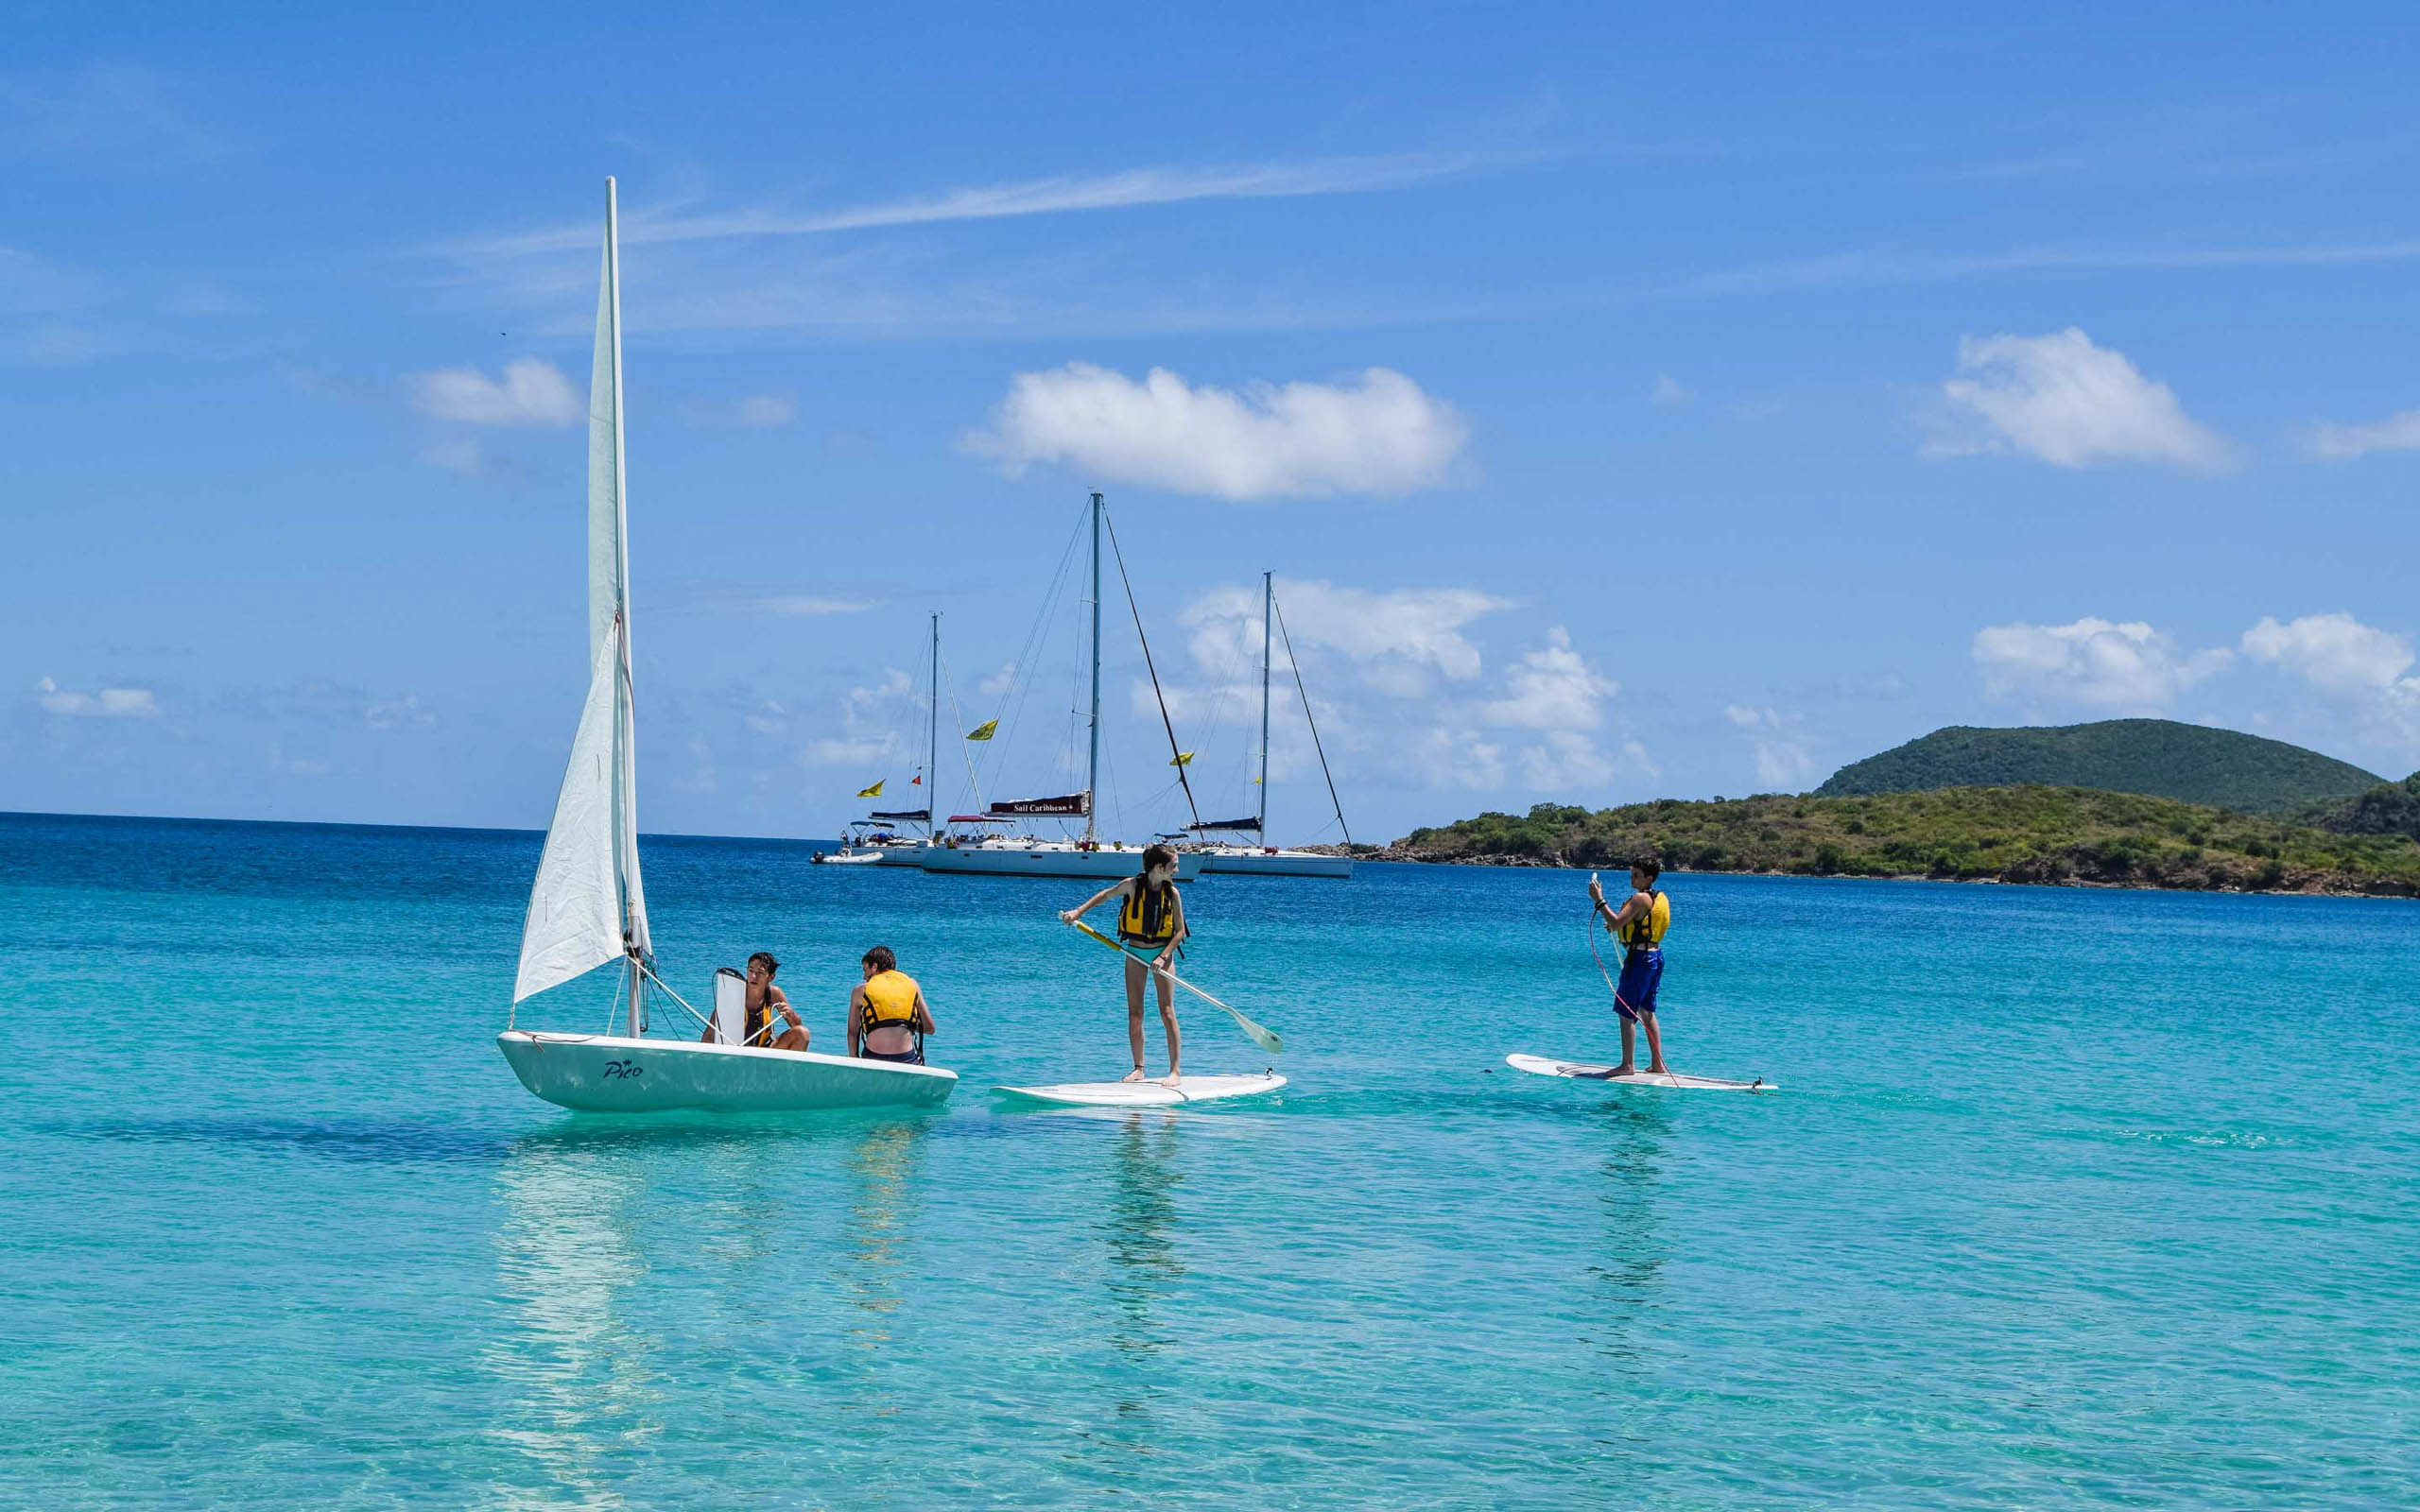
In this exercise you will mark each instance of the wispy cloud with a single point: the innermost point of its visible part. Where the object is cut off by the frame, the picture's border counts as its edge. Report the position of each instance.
(1123, 189)
(108, 703)
(1882, 266)
(2334, 443)
(531, 392)
(105, 108)
(754, 412)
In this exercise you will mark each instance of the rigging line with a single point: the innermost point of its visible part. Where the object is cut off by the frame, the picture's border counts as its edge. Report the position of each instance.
(1020, 680)
(1305, 694)
(955, 719)
(1175, 752)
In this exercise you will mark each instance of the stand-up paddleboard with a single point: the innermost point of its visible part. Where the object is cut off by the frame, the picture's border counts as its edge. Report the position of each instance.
(1145, 1093)
(1541, 1066)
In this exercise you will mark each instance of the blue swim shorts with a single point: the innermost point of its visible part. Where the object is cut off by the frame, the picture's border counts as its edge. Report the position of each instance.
(1642, 973)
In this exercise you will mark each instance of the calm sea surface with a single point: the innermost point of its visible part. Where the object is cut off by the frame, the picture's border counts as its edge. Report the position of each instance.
(2073, 1198)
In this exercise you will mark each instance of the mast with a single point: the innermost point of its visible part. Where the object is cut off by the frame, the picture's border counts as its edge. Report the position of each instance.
(625, 724)
(1268, 595)
(1092, 762)
(933, 737)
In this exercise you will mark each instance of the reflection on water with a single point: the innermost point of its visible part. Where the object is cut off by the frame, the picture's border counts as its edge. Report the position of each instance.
(885, 1160)
(1629, 1270)
(579, 1379)
(1139, 1227)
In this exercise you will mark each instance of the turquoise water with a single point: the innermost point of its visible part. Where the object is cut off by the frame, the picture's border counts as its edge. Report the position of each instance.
(2073, 1198)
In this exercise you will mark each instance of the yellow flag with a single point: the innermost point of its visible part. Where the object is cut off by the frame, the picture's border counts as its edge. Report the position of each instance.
(1182, 758)
(984, 730)
(874, 791)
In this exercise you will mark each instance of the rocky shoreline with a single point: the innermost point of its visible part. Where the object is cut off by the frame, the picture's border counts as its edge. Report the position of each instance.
(2313, 884)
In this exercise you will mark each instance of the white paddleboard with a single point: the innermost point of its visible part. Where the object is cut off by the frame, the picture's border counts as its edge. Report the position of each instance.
(1541, 1066)
(1145, 1093)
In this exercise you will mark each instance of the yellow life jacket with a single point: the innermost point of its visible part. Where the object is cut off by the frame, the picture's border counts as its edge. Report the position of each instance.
(890, 1003)
(1647, 932)
(1149, 915)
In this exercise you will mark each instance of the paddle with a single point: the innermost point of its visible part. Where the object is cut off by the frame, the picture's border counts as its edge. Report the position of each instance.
(1259, 1036)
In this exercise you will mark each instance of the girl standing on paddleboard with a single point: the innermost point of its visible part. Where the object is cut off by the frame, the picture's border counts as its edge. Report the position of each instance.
(1639, 925)
(1150, 917)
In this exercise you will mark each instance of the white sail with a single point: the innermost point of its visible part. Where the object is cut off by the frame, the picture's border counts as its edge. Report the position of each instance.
(587, 904)
(574, 922)
(609, 564)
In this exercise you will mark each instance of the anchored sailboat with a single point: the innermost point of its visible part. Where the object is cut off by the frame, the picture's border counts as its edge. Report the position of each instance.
(587, 907)
(1264, 859)
(1030, 856)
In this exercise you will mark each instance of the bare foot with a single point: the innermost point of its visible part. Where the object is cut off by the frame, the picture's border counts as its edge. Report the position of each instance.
(1659, 1069)
(1136, 1074)
(1170, 1080)
(1625, 1069)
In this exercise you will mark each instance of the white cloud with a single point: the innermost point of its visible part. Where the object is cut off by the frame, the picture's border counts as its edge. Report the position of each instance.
(2061, 399)
(2091, 664)
(701, 778)
(2365, 669)
(847, 750)
(2333, 442)
(531, 392)
(871, 719)
(297, 766)
(1391, 677)
(388, 713)
(1553, 688)
(461, 455)
(1377, 434)
(754, 412)
(1668, 390)
(1413, 628)
(1569, 760)
(2336, 652)
(766, 718)
(803, 606)
(1782, 760)
(109, 703)
(996, 683)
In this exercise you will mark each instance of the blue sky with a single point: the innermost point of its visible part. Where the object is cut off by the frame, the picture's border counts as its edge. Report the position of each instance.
(1630, 404)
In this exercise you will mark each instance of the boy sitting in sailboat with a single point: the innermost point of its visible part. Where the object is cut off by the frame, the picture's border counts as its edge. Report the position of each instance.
(888, 1016)
(1150, 917)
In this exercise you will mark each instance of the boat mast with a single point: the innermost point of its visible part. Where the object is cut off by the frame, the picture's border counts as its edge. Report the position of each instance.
(1092, 762)
(635, 1021)
(933, 737)
(1267, 594)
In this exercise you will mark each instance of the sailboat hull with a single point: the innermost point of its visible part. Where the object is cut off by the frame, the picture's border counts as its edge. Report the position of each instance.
(1048, 861)
(609, 1073)
(1277, 862)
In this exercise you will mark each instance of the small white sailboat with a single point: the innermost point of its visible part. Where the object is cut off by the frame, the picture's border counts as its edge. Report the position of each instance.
(1267, 860)
(1023, 855)
(587, 907)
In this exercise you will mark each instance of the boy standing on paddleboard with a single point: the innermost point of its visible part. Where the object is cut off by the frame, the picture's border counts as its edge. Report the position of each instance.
(1150, 917)
(1639, 925)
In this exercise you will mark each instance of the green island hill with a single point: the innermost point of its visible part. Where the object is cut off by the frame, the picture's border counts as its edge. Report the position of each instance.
(2016, 834)
(2193, 763)
(2389, 808)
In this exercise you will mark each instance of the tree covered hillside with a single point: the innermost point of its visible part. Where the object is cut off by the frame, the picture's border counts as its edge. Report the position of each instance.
(2037, 834)
(2193, 763)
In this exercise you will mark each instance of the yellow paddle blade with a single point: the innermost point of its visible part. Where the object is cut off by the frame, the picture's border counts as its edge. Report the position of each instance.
(1259, 1036)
